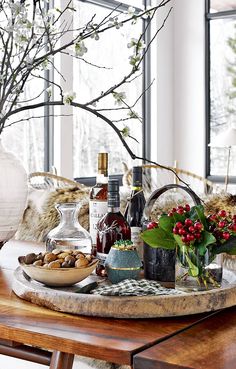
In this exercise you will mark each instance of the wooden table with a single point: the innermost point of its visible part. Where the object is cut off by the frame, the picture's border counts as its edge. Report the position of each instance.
(114, 340)
(210, 344)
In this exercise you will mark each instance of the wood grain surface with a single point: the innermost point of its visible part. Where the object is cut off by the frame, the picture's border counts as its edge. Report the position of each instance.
(210, 344)
(115, 340)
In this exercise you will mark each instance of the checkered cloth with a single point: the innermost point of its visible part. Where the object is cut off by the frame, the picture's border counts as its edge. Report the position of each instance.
(133, 287)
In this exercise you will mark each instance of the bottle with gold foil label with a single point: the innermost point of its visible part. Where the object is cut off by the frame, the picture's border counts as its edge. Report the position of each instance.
(98, 196)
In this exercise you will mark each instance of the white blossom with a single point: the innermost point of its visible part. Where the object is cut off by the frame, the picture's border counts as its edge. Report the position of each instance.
(114, 22)
(125, 131)
(68, 97)
(132, 114)
(119, 97)
(131, 10)
(80, 48)
(134, 59)
(139, 44)
(49, 91)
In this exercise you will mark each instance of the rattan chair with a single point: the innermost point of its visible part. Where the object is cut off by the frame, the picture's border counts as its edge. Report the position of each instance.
(155, 177)
(46, 180)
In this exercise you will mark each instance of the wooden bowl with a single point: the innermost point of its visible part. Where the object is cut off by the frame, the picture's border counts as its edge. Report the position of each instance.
(57, 277)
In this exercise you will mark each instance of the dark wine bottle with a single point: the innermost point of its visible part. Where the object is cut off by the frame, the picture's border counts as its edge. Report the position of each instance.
(134, 210)
(111, 227)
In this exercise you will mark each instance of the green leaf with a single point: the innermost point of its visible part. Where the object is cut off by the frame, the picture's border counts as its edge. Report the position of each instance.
(178, 218)
(179, 242)
(201, 249)
(207, 239)
(193, 269)
(197, 212)
(229, 247)
(159, 238)
(166, 223)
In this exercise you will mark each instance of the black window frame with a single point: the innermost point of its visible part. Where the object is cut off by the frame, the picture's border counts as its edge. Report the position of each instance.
(209, 17)
(146, 100)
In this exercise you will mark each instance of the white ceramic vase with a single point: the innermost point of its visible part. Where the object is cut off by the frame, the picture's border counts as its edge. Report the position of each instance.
(13, 194)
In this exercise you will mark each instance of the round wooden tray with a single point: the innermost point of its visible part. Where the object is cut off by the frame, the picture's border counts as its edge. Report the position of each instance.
(66, 300)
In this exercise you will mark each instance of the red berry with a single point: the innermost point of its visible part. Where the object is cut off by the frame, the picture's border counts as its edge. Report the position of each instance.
(179, 225)
(187, 207)
(191, 229)
(152, 225)
(180, 207)
(170, 214)
(197, 235)
(221, 224)
(188, 222)
(190, 237)
(222, 213)
(174, 210)
(182, 231)
(180, 211)
(175, 230)
(198, 226)
(212, 217)
(233, 227)
(226, 235)
(184, 239)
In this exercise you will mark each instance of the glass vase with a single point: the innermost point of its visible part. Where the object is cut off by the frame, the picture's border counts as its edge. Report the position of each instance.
(195, 272)
(69, 234)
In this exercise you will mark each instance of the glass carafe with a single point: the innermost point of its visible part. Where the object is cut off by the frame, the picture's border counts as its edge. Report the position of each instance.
(69, 234)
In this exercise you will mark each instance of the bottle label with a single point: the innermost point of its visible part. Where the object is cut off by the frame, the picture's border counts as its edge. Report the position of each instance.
(102, 258)
(137, 241)
(96, 211)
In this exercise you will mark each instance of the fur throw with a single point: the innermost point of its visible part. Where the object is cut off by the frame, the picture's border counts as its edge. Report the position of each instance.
(225, 201)
(41, 216)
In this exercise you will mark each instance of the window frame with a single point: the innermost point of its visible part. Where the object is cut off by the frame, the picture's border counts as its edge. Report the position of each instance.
(208, 18)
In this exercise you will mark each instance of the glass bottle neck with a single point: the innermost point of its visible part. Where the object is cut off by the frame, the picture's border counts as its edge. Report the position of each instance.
(113, 209)
(68, 214)
(102, 177)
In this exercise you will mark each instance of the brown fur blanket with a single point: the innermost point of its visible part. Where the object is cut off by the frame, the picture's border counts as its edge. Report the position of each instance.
(41, 216)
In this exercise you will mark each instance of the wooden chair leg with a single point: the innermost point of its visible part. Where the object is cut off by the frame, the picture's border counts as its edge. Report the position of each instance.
(61, 360)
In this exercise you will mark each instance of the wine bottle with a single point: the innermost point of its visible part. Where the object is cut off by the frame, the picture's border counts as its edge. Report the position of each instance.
(98, 196)
(111, 227)
(134, 210)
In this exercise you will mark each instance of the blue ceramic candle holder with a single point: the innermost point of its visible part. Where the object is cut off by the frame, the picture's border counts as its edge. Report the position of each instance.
(122, 264)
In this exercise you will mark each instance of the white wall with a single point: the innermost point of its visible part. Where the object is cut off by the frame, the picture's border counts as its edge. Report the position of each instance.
(181, 88)
(163, 97)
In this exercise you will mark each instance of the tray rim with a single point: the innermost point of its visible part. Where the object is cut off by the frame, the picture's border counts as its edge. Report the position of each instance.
(120, 306)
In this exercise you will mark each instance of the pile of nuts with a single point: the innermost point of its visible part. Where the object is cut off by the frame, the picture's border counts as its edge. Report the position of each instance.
(59, 259)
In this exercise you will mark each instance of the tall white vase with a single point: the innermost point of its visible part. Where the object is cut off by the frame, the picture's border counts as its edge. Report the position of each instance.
(13, 193)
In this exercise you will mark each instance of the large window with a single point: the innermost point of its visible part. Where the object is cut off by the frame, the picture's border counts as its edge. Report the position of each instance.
(221, 80)
(84, 135)
(90, 134)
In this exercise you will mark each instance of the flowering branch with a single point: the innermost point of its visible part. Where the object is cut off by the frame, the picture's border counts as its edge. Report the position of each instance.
(29, 41)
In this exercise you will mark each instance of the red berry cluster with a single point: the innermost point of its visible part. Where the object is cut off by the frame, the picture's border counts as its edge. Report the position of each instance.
(188, 230)
(179, 210)
(222, 225)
